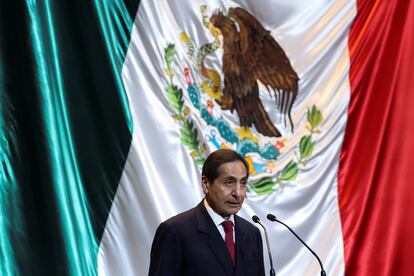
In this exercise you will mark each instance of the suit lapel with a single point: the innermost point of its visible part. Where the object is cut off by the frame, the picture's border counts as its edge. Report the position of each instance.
(240, 247)
(215, 240)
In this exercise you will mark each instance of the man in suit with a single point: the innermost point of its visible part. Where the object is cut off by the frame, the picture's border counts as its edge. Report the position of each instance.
(210, 239)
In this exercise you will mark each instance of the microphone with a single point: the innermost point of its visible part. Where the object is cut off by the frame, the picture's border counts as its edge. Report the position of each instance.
(273, 218)
(257, 220)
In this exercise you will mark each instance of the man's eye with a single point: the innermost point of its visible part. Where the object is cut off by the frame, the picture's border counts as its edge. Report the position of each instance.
(244, 182)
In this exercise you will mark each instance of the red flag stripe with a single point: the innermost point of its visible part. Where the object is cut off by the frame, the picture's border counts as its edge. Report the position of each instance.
(376, 172)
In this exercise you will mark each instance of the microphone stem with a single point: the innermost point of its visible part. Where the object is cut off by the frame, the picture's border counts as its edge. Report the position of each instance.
(323, 273)
(272, 271)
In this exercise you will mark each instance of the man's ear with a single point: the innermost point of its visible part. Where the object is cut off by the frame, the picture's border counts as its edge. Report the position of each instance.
(205, 184)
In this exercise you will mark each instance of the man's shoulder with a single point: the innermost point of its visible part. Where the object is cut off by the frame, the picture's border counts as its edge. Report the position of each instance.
(183, 219)
(246, 225)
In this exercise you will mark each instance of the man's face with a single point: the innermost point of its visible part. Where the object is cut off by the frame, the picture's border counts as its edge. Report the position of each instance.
(226, 193)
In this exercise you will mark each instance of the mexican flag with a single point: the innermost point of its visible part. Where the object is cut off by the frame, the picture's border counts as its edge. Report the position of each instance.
(109, 108)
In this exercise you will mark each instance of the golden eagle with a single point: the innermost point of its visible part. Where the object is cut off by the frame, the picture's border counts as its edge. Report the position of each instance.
(251, 54)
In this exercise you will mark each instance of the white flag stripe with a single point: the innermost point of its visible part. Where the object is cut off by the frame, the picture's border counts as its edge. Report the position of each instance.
(160, 177)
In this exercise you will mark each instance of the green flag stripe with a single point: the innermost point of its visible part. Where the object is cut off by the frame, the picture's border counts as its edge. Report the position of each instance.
(80, 243)
(110, 15)
(67, 128)
(9, 217)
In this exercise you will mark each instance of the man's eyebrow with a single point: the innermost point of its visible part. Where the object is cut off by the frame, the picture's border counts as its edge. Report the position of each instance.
(230, 177)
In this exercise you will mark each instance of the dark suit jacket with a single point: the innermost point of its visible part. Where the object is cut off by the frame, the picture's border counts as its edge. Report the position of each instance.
(190, 244)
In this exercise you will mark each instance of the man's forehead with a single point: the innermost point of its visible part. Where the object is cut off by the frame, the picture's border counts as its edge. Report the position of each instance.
(234, 168)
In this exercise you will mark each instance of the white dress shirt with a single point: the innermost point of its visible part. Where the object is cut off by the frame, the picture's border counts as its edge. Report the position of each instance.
(217, 219)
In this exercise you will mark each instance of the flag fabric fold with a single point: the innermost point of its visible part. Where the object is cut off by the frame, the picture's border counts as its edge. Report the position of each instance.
(374, 180)
(65, 131)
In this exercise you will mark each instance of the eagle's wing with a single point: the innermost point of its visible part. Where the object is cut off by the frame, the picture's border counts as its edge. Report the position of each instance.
(266, 61)
(240, 90)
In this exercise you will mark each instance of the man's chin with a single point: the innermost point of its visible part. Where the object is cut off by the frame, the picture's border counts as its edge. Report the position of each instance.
(233, 209)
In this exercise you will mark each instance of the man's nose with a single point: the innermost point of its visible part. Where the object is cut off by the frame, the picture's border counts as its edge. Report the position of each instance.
(238, 190)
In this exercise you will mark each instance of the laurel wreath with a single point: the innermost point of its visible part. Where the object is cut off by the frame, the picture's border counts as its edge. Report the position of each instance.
(290, 172)
(188, 133)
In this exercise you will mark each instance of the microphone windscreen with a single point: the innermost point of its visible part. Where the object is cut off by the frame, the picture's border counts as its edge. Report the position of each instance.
(271, 217)
(255, 218)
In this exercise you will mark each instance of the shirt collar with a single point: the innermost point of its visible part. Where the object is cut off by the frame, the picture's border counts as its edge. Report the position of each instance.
(217, 219)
